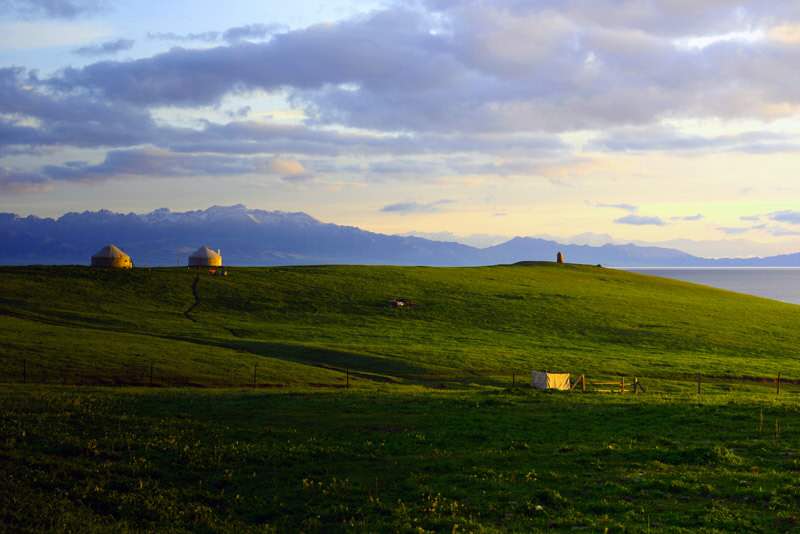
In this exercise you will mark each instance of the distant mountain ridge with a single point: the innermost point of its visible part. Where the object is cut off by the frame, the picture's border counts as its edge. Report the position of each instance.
(259, 237)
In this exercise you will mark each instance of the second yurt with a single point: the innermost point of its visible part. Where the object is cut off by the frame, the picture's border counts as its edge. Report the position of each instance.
(205, 257)
(112, 257)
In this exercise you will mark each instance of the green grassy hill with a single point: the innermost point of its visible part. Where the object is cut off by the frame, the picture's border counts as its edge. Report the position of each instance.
(382, 457)
(296, 323)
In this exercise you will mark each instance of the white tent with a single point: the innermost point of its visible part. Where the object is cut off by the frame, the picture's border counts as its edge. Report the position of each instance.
(205, 257)
(113, 257)
(544, 380)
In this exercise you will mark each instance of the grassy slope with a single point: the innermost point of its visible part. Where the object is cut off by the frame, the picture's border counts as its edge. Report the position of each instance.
(292, 320)
(389, 457)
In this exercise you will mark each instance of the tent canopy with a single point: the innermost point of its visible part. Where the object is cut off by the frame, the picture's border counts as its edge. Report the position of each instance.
(544, 380)
(205, 257)
(110, 251)
(111, 256)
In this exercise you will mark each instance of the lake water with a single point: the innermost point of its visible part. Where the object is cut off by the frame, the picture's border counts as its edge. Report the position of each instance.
(778, 284)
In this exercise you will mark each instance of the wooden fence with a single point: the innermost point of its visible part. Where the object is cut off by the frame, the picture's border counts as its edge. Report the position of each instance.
(148, 374)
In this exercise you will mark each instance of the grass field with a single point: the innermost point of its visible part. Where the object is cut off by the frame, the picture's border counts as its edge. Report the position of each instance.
(394, 452)
(395, 460)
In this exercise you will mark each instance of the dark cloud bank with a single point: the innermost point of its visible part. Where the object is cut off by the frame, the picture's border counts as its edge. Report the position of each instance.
(467, 77)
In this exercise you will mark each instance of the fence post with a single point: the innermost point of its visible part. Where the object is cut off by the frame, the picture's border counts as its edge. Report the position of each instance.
(698, 384)
(583, 383)
(778, 385)
(254, 374)
(513, 378)
(622, 385)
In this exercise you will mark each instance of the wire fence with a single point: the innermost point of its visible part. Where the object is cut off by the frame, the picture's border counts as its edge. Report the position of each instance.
(153, 375)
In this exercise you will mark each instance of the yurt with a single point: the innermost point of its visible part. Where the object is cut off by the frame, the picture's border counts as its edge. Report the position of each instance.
(112, 257)
(205, 257)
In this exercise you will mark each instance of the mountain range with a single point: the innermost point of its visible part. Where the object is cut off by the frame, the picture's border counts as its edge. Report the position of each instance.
(257, 237)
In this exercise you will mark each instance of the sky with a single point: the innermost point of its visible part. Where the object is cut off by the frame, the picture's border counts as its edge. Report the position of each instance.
(660, 121)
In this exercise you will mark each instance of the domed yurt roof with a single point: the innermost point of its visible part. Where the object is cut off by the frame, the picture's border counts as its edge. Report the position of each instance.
(111, 256)
(205, 257)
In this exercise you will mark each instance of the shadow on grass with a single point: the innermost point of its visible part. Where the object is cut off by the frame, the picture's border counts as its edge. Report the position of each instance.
(371, 367)
(360, 365)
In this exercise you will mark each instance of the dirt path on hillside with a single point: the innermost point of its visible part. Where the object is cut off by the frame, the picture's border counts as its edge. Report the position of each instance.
(196, 296)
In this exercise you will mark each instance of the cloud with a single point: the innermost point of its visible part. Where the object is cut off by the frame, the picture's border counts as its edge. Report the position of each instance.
(660, 138)
(83, 119)
(733, 230)
(153, 162)
(640, 220)
(777, 231)
(750, 218)
(33, 117)
(688, 218)
(233, 35)
(404, 167)
(251, 32)
(774, 230)
(208, 37)
(107, 48)
(404, 208)
(247, 137)
(20, 182)
(297, 178)
(287, 166)
(626, 207)
(441, 86)
(66, 9)
(460, 66)
(786, 216)
(520, 166)
(239, 113)
(664, 18)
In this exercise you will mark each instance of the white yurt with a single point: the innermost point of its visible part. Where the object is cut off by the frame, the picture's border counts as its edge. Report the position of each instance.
(205, 257)
(112, 257)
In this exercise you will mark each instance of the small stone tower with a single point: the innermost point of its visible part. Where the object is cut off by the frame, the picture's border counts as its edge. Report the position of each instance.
(559, 258)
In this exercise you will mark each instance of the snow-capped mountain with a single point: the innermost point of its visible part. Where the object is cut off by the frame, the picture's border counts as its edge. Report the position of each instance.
(259, 237)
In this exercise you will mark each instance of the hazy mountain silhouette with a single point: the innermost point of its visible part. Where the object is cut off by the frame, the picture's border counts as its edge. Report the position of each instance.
(258, 237)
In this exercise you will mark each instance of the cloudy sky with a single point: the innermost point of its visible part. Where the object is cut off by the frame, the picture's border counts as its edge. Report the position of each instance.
(651, 120)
